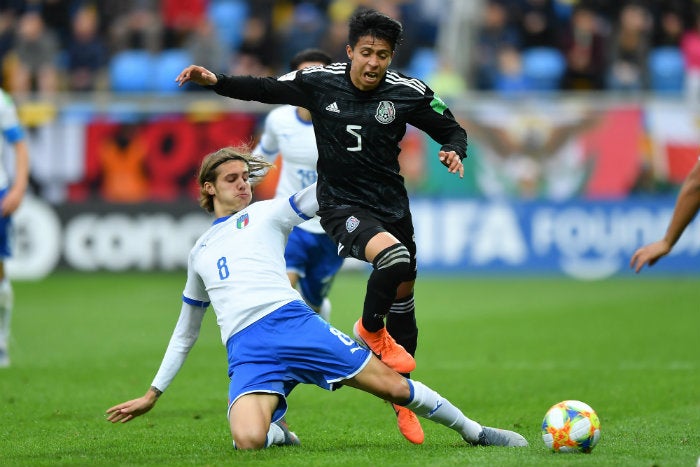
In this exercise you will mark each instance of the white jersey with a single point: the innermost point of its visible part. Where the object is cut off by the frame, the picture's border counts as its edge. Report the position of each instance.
(287, 134)
(238, 266)
(11, 130)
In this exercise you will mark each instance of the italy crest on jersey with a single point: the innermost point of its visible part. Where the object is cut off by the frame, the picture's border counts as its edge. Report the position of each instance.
(242, 221)
(386, 113)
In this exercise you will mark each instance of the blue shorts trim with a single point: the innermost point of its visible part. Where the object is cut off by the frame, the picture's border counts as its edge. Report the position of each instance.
(289, 346)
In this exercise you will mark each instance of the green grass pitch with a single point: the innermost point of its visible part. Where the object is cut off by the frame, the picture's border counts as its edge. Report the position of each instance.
(503, 350)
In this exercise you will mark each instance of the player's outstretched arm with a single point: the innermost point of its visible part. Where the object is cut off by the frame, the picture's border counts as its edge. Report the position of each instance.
(15, 194)
(196, 74)
(129, 410)
(687, 206)
(451, 160)
(649, 254)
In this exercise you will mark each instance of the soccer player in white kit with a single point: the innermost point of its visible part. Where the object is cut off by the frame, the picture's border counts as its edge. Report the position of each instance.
(311, 255)
(274, 340)
(11, 195)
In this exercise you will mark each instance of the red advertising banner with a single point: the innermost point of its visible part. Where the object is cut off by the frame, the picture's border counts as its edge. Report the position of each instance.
(530, 150)
(153, 160)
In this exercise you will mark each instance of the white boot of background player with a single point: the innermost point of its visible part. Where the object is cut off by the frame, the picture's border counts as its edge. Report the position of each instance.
(325, 311)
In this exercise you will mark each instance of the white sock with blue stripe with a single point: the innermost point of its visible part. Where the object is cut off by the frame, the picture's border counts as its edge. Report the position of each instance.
(429, 404)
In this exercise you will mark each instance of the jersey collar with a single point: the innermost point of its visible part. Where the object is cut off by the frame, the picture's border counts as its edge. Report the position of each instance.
(221, 219)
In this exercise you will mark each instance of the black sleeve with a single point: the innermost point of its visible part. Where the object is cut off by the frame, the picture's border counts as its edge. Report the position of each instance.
(433, 117)
(267, 90)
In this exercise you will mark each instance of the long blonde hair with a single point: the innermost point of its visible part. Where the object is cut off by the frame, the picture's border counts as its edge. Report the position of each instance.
(257, 168)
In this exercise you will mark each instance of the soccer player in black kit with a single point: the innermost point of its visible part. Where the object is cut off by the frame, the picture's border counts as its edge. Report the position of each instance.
(360, 111)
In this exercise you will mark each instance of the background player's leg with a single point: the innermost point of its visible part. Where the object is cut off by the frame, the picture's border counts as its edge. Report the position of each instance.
(6, 302)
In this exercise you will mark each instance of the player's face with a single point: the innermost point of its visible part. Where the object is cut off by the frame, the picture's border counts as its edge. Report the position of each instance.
(231, 190)
(370, 58)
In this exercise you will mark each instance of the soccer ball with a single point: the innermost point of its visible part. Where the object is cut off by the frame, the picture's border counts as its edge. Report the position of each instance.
(571, 426)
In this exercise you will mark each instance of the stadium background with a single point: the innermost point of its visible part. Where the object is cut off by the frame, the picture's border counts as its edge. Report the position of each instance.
(576, 150)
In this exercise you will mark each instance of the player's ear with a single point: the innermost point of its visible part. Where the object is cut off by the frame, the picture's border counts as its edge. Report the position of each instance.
(348, 51)
(209, 187)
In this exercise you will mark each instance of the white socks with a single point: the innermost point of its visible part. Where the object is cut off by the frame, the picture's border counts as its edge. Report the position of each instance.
(325, 310)
(429, 404)
(275, 436)
(6, 299)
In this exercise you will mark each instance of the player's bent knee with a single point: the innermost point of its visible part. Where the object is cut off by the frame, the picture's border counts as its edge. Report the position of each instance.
(395, 261)
(250, 438)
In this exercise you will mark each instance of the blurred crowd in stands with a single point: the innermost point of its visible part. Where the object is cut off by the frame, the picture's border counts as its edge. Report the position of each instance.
(587, 45)
(49, 46)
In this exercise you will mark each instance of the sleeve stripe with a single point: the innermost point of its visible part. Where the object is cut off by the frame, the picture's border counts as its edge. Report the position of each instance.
(197, 303)
(297, 210)
(268, 152)
(14, 134)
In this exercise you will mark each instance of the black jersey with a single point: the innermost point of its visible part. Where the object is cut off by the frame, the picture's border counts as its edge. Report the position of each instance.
(357, 132)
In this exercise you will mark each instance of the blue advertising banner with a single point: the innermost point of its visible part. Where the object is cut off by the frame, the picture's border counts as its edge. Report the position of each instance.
(582, 239)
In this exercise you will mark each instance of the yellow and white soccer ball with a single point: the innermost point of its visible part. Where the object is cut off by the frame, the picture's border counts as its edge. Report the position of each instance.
(571, 426)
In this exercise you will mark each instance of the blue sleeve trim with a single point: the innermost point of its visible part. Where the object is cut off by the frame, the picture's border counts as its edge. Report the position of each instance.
(267, 151)
(14, 134)
(297, 210)
(197, 303)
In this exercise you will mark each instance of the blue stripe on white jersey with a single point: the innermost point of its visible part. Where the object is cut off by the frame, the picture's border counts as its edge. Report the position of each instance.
(14, 134)
(297, 210)
(197, 303)
(267, 152)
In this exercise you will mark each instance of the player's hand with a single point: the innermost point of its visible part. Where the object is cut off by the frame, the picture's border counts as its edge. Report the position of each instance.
(451, 160)
(196, 74)
(649, 254)
(130, 409)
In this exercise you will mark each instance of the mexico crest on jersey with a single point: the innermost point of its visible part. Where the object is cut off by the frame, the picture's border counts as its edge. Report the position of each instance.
(386, 113)
(242, 221)
(351, 223)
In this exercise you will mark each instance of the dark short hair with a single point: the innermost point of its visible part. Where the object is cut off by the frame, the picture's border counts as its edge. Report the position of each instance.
(309, 55)
(369, 22)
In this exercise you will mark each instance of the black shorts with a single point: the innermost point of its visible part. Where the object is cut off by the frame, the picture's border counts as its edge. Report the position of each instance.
(352, 228)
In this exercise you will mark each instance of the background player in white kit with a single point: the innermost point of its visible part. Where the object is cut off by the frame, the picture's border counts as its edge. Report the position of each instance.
(311, 255)
(274, 340)
(10, 198)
